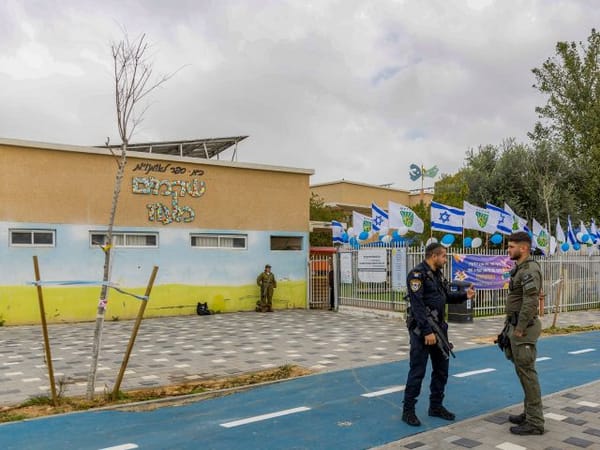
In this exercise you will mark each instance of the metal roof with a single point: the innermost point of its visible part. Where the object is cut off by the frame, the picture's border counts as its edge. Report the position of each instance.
(195, 148)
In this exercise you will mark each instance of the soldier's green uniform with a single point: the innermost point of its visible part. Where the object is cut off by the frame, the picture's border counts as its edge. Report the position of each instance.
(266, 281)
(522, 314)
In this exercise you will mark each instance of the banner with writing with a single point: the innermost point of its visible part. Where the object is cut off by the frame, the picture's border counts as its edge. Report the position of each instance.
(485, 272)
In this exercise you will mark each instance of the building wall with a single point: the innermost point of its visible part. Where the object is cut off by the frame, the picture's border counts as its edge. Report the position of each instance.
(359, 194)
(69, 190)
(352, 196)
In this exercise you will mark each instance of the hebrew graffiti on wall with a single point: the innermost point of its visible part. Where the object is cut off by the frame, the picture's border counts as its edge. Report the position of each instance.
(168, 213)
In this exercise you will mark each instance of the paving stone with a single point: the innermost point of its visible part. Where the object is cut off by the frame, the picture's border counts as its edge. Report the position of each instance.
(574, 421)
(578, 442)
(592, 431)
(499, 419)
(574, 410)
(467, 443)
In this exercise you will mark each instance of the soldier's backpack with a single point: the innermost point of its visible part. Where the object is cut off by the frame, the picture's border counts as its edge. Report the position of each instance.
(202, 309)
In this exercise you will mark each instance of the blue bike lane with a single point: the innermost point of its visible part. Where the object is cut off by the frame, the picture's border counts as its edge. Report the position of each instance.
(351, 409)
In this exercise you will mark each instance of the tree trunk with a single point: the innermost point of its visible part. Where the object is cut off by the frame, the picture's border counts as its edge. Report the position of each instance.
(103, 301)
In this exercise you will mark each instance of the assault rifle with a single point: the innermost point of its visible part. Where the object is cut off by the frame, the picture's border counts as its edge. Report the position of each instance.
(441, 341)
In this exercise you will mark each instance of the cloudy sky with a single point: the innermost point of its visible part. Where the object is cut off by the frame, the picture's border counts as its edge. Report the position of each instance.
(352, 89)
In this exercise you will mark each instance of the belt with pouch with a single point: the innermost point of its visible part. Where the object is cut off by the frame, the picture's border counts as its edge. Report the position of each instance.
(513, 319)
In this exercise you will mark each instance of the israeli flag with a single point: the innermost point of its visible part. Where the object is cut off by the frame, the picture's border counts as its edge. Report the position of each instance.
(570, 233)
(446, 218)
(380, 219)
(337, 229)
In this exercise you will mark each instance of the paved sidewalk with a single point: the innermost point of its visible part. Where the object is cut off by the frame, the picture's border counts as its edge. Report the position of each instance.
(572, 422)
(178, 349)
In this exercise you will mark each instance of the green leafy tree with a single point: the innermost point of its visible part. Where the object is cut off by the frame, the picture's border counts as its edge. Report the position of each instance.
(451, 190)
(570, 117)
(323, 213)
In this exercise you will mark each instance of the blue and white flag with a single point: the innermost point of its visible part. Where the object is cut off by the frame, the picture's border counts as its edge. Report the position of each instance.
(518, 223)
(361, 223)
(481, 219)
(401, 216)
(583, 230)
(505, 221)
(337, 230)
(560, 234)
(446, 218)
(594, 232)
(380, 219)
(541, 238)
(570, 233)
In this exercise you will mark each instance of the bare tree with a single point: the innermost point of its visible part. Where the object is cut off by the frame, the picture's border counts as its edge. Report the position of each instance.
(133, 82)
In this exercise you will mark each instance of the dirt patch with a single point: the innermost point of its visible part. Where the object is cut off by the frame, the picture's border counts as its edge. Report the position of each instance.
(177, 393)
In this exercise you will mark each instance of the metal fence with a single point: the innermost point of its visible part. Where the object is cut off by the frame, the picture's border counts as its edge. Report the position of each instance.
(571, 282)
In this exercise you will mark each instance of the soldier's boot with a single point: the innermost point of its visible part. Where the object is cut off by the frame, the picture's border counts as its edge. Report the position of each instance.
(526, 429)
(518, 419)
(440, 411)
(409, 416)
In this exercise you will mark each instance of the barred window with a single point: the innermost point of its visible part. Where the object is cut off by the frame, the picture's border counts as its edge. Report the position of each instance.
(286, 242)
(210, 240)
(120, 239)
(32, 238)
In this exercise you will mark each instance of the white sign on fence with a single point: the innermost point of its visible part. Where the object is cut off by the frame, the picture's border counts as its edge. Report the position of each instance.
(372, 265)
(399, 269)
(346, 267)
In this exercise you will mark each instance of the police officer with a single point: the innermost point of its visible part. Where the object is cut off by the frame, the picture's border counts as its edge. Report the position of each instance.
(428, 292)
(266, 281)
(524, 328)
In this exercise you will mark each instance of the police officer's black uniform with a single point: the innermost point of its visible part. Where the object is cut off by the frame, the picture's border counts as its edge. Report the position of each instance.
(427, 289)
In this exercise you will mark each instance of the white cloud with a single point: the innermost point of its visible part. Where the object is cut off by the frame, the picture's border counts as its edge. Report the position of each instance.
(354, 89)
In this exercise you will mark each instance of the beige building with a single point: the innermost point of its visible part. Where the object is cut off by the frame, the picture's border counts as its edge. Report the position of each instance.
(353, 196)
(209, 225)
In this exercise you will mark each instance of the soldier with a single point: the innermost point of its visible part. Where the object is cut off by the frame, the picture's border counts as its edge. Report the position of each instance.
(429, 292)
(266, 281)
(524, 328)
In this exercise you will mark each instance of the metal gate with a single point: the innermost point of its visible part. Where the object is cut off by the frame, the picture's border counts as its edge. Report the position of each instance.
(321, 280)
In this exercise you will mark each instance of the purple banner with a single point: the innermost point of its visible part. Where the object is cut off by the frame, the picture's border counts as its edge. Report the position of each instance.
(484, 271)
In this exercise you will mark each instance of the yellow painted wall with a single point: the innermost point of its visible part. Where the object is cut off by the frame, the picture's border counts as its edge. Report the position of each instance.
(19, 304)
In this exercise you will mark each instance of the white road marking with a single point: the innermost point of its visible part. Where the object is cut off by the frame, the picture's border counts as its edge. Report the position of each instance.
(543, 358)
(585, 350)
(473, 372)
(121, 447)
(237, 423)
(384, 391)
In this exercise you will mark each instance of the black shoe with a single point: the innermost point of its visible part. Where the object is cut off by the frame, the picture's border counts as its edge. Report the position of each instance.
(411, 418)
(440, 411)
(526, 429)
(519, 419)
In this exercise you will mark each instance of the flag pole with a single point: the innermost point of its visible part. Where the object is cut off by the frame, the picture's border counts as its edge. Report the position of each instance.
(422, 183)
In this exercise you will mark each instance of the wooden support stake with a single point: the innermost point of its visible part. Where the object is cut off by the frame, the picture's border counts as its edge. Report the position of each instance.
(134, 332)
(36, 268)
